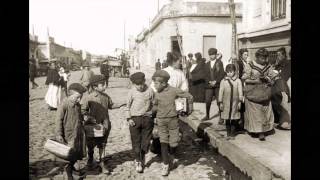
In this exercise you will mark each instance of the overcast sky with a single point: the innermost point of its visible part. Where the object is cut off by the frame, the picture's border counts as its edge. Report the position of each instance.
(93, 25)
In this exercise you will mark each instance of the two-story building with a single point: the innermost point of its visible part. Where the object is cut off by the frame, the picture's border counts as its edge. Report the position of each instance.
(265, 23)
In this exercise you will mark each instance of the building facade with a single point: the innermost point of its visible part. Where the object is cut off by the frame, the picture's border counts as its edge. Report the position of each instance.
(201, 25)
(266, 23)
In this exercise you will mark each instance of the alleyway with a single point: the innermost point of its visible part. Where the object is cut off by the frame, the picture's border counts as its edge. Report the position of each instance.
(195, 161)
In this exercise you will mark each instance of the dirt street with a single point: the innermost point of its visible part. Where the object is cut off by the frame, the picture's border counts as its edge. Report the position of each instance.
(195, 161)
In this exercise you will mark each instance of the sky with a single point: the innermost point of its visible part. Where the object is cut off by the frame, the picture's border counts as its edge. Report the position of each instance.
(96, 26)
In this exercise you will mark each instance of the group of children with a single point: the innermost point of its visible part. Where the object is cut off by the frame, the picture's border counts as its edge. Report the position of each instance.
(145, 108)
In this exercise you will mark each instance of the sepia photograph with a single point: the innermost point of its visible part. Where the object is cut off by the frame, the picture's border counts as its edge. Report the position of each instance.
(160, 89)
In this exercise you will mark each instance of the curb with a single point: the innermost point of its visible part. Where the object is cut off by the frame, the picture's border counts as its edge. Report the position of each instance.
(242, 160)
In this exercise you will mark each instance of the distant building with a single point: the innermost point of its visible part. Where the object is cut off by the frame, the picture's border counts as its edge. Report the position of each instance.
(201, 25)
(52, 50)
(266, 23)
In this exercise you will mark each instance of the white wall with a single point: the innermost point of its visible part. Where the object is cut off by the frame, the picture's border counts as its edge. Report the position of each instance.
(257, 15)
(192, 29)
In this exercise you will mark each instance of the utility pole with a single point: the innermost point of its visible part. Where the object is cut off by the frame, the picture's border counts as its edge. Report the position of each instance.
(124, 34)
(234, 33)
(158, 6)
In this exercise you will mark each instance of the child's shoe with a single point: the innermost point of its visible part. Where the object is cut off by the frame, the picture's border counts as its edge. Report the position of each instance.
(138, 166)
(165, 170)
(104, 168)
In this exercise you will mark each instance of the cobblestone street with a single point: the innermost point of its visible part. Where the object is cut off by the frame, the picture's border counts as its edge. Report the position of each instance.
(195, 161)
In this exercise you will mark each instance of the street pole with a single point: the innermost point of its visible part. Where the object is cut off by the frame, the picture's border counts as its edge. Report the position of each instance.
(124, 35)
(234, 33)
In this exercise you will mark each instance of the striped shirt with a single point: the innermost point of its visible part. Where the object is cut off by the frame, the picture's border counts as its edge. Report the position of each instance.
(139, 103)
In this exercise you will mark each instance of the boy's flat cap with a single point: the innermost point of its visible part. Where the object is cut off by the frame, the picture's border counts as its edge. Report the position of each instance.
(137, 78)
(161, 73)
(77, 87)
(97, 79)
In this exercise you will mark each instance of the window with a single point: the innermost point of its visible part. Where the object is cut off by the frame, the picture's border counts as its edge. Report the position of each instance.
(278, 9)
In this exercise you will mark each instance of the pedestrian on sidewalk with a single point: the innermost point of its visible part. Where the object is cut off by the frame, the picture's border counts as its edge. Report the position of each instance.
(230, 97)
(167, 116)
(242, 62)
(139, 117)
(197, 79)
(95, 109)
(104, 70)
(33, 72)
(70, 128)
(54, 82)
(281, 89)
(258, 77)
(214, 74)
(86, 74)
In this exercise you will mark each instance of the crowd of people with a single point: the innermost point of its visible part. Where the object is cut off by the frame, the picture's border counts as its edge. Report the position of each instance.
(248, 93)
(253, 105)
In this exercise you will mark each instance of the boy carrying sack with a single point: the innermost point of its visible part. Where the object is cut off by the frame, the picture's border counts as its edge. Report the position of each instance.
(167, 116)
(69, 126)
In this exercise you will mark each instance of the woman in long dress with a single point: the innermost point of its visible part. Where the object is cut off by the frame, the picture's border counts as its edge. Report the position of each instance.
(259, 117)
(197, 81)
(53, 96)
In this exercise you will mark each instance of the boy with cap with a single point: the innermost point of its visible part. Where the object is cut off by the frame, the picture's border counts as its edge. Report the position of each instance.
(69, 125)
(94, 107)
(139, 117)
(167, 116)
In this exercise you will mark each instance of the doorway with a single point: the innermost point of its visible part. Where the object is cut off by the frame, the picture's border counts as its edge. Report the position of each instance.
(208, 42)
(175, 44)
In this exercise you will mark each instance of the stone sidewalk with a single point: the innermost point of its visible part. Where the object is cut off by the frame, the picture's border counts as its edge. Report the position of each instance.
(266, 160)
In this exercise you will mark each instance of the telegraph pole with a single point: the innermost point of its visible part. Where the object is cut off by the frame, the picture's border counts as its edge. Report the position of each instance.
(234, 33)
(124, 34)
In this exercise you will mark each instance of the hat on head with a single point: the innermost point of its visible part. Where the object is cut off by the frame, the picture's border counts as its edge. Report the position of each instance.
(77, 87)
(161, 73)
(137, 78)
(212, 51)
(95, 79)
(86, 64)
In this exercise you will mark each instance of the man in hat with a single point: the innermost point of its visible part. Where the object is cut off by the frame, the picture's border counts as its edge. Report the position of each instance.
(104, 70)
(86, 75)
(215, 73)
(95, 109)
(69, 126)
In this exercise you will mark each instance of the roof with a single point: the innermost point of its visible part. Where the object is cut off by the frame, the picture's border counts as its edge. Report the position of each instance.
(190, 9)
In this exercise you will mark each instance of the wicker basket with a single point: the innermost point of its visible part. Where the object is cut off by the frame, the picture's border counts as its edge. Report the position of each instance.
(58, 149)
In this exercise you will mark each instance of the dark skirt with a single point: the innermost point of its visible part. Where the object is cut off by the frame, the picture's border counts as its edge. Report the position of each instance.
(197, 90)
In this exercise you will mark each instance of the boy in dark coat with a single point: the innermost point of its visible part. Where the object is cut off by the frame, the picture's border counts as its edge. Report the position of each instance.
(69, 125)
(214, 74)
